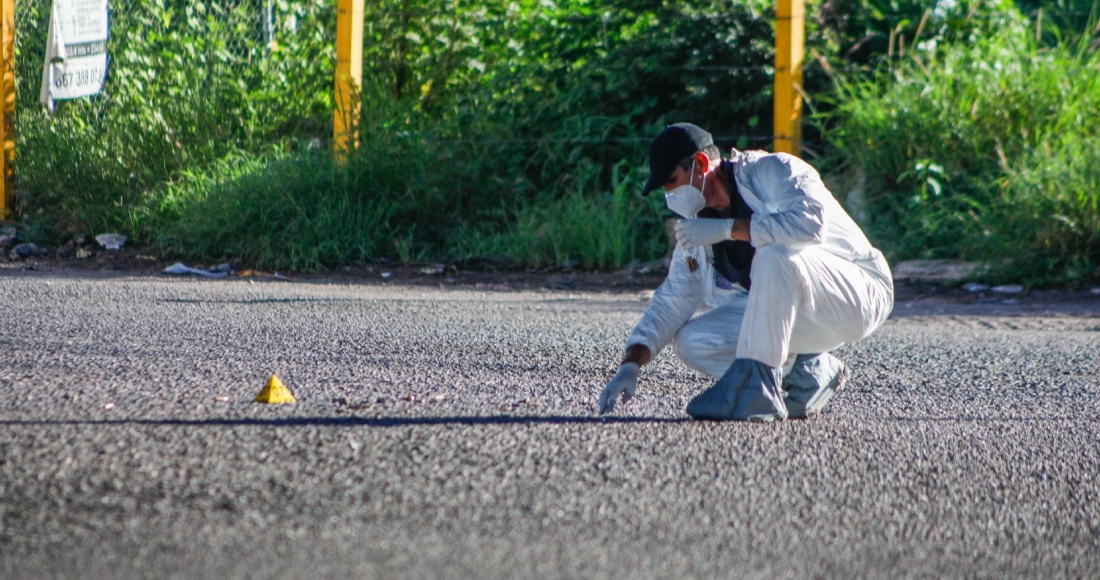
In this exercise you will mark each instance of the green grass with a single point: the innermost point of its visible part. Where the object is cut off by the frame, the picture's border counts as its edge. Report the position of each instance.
(288, 211)
(602, 231)
(980, 151)
(1049, 222)
(303, 211)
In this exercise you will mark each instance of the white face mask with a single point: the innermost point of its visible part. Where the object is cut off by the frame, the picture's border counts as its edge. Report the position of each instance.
(687, 200)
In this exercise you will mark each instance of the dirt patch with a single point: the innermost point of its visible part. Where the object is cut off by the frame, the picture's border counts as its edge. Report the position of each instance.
(484, 274)
(920, 297)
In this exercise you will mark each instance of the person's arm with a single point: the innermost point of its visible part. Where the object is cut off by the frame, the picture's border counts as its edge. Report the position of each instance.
(791, 188)
(741, 230)
(678, 297)
(638, 354)
(672, 305)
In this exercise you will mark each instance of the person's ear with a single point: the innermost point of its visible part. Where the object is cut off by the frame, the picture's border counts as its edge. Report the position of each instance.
(702, 161)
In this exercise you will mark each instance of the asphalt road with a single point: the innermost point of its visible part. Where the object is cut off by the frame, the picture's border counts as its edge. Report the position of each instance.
(450, 433)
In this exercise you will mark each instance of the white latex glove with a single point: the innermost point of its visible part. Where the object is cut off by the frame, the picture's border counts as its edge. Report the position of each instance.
(624, 382)
(691, 233)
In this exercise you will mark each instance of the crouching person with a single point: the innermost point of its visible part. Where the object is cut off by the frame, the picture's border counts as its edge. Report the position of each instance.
(778, 273)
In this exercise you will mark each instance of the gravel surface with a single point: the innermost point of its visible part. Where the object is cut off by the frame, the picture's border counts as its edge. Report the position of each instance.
(449, 432)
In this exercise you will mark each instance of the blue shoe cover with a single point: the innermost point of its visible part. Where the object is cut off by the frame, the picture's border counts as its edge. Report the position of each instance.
(749, 391)
(813, 380)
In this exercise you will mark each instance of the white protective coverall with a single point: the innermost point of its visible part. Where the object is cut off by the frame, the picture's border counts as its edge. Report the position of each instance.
(817, 282)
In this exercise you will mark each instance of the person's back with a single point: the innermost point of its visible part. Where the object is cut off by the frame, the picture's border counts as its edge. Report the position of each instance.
(841, 232)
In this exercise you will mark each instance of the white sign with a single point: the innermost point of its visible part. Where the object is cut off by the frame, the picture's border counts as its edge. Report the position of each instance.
(76, 50)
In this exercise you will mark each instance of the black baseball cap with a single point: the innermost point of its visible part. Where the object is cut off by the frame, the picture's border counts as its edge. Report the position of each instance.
(673, 144)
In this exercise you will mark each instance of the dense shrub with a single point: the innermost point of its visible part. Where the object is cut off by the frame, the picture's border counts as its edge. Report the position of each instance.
(188, 83)
(519, 129)
(983, 151)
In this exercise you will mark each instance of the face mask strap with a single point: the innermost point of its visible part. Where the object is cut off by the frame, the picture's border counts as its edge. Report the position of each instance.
(704, 187)
(691, 179)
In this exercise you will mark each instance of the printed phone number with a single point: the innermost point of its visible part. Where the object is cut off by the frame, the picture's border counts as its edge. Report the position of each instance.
(79, 78)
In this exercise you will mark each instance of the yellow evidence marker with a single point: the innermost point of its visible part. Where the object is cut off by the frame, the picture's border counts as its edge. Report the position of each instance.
(275, 392)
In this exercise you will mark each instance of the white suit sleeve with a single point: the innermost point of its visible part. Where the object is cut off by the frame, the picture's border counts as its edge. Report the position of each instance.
(790, 185)
(673, 304)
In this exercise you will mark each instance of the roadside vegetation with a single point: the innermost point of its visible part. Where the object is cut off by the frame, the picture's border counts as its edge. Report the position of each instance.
(515, 132)
(985, 151)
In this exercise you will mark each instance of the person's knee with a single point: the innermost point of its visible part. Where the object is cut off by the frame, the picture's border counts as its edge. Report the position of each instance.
(698, 351)
(683, 345)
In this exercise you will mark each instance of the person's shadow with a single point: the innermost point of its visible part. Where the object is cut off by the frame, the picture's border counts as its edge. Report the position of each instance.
(358, 421)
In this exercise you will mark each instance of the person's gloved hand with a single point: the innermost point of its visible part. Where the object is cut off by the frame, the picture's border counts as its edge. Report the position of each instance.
(624, 382)
(695, 232)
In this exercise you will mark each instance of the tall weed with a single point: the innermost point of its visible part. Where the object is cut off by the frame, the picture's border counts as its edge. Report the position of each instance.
(952, 142)
(1050, 217)
(298, 210)
(604, 231)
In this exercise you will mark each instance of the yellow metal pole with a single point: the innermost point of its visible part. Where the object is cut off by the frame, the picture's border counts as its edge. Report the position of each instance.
(349, 75)
(789, 41)
(7, 105)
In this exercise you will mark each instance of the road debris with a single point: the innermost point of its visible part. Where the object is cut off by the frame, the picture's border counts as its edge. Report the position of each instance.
(111, 241)
(179, 268)
(433, 270)
(24, 250)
